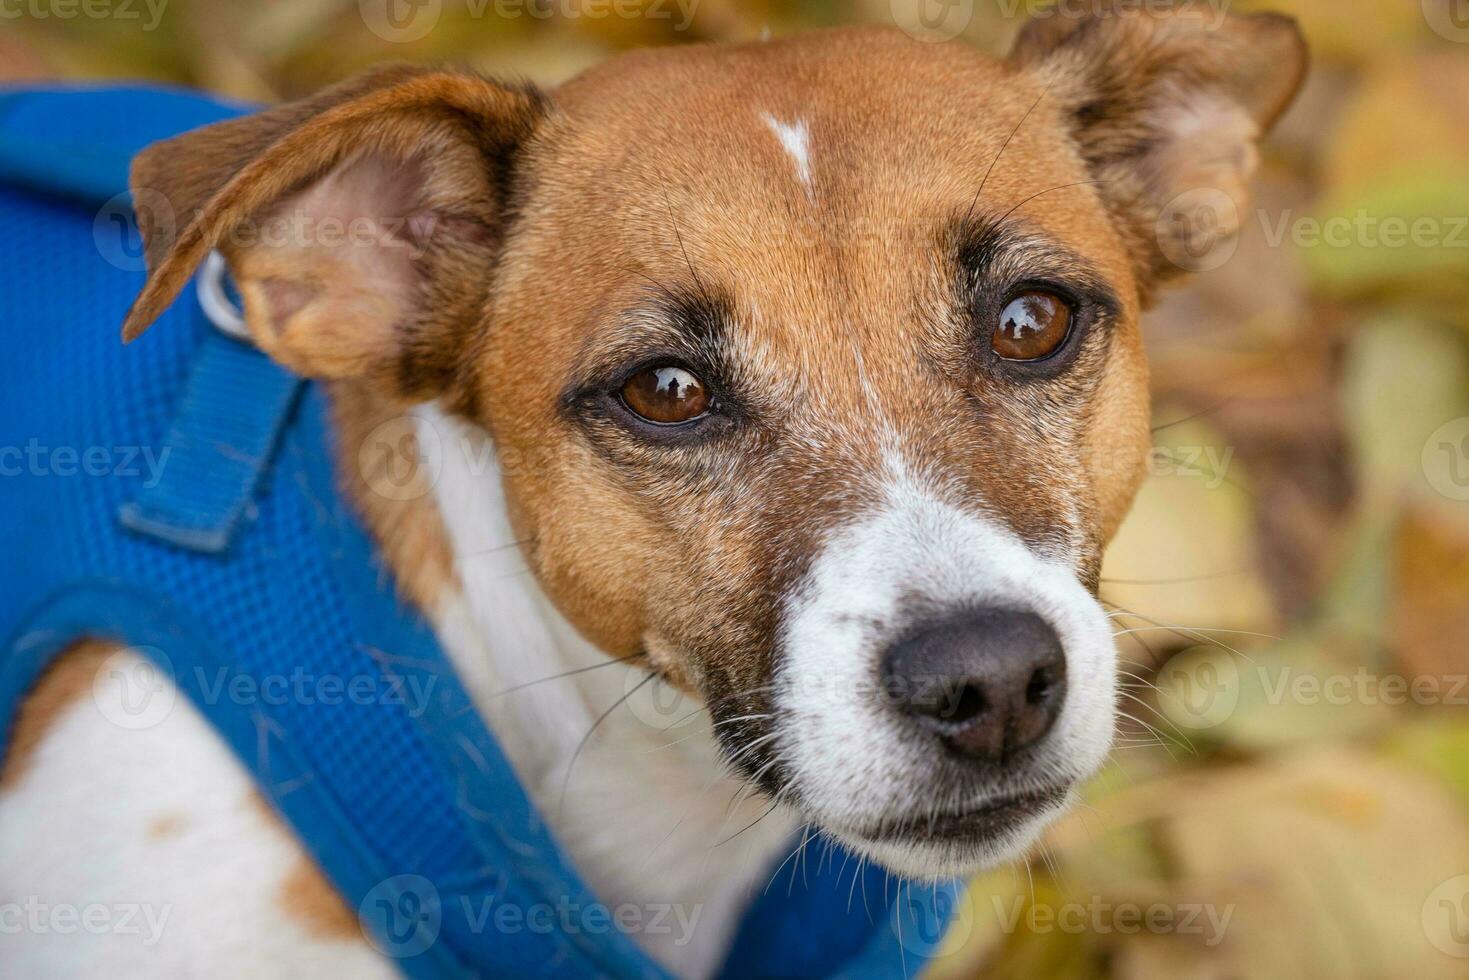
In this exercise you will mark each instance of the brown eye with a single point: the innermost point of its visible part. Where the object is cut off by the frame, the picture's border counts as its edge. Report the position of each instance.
(666, 395)
(1034, 325)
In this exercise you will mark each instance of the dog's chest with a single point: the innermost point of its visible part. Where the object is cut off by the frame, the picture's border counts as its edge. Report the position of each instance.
(627, 774)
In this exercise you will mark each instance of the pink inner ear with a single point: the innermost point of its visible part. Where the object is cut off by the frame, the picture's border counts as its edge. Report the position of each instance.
(284, 299)
(354, 233)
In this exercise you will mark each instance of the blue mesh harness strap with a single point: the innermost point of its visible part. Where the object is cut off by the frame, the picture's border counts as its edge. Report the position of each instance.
(178, 495)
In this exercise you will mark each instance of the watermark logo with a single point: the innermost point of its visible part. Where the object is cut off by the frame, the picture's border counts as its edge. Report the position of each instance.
(932, 20)
(659, 704)
(115, 227)
(116, 235)
(1446, 917)
(402, 458)
(1446, 459)
(1196, 229)
(401, 21)
(1449, 19)
(401, 916)
(928, 923)
(1199, 688)
(134, 688)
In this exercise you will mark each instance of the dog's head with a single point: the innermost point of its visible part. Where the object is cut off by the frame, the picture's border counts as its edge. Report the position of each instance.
(819, 360)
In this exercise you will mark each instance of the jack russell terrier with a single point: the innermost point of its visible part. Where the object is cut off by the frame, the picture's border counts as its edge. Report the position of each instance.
(797, 380)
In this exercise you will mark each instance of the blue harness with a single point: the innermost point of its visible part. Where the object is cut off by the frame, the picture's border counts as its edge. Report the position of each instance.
(178, 495)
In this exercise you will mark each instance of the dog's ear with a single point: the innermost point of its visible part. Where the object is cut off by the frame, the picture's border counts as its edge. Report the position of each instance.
(360, 225)
(1166, 106)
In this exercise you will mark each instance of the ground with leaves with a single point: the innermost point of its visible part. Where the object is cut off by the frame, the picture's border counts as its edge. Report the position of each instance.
(1290, 797)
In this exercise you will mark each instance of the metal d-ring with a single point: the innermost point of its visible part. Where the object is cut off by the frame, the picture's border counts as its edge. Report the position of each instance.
(216, 303)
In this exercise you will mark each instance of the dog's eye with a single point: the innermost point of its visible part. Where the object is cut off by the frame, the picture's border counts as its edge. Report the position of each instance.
(1033, 325)
(666, 395)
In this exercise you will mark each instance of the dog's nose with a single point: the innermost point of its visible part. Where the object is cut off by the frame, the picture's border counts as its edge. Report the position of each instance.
(988, 684)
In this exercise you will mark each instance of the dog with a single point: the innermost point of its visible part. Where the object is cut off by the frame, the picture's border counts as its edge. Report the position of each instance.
(801, 379)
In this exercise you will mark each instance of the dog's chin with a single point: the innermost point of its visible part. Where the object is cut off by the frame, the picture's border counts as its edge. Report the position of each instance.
(959, 844)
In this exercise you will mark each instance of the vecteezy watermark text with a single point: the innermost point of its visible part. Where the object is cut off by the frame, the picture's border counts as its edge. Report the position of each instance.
(1097, 916)
(941, 20)
(406, 21)
(32, 915)
(35, 458)
(148, 12)
(136, 688)
(402, 916)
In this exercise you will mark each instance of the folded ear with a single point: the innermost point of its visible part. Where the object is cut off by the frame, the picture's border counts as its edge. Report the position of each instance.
(360, 225)
(1166, 106)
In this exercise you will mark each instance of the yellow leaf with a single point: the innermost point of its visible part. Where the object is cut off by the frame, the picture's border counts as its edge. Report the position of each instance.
(1184, 557)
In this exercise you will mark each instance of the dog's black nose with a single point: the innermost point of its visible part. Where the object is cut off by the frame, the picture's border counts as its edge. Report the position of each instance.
(988, 684)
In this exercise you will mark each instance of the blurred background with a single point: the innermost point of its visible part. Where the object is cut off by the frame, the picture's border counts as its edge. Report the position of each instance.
(1290, 795)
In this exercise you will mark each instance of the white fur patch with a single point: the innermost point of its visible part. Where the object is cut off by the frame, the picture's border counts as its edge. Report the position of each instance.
(852, 764)
(796, 141)
(645, 807)
(91, 887)
(93, 890)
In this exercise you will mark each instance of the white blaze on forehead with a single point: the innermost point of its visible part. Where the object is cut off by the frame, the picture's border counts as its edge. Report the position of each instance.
(796, 141)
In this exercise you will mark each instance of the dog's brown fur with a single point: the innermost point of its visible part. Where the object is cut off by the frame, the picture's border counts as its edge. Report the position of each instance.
(67, 680)
(647, 201)
(543, 243)
(1119, 87)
